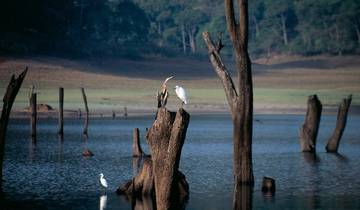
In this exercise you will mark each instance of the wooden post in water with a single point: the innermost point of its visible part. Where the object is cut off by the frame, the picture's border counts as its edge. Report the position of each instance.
(125, 112)
(61, 111)
(8, 100)
(333, 142)
(86, 123)
(33, 116)
(137, 151)
(309, 129)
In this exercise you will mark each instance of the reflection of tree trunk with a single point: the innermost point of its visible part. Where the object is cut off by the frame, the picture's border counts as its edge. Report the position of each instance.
(242, 197)
(283, 28)
(183, 36)
(8, 100)
(309, 130)
(333, 142)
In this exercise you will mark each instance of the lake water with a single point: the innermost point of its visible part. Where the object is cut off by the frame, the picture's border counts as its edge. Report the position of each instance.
(53, 174)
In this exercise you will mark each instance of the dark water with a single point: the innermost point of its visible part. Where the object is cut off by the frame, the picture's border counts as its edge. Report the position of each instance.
(54, 175)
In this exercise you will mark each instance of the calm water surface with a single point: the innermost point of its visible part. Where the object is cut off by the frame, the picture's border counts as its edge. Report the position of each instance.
(53, 174)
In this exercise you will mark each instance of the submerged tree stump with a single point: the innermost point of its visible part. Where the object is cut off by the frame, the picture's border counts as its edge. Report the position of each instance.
(268, 185)
(136, 147)
(309, 129)
(333, 142)
(160, 174)
(8, 100)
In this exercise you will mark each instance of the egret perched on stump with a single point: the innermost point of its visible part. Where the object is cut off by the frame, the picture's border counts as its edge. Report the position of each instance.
(181, 94)
(103, 181)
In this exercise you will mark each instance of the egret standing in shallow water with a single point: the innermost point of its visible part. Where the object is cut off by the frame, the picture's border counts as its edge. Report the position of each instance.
(181, 94)
(103, 181)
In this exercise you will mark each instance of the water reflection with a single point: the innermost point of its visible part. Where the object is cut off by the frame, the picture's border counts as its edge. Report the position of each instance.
(243, 197)
(310, 158)
(32, 147)
(103, 202)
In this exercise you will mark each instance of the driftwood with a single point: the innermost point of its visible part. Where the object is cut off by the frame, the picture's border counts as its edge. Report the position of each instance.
(33, 116)
(160, 175)
(86, 122)
(61, 111)
(8, 100)
(309, 129)
(136, 147)
(333, 142)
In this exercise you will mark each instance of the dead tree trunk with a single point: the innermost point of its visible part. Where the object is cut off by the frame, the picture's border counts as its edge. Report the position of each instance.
(61, 111)
(137, 151)
(86, 123)
(241, 101)
(243, 197)
(160, 174)
(333, 142)
(166, 138)
(309, 130)
(8, 100)
(33, 117)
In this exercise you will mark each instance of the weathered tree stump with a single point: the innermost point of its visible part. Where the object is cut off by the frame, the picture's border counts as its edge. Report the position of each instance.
(8, 100)
(268, 185)
(333, 142)
(309, 129)
(136, 147)
(160, 175)
(33, 116)
(86, 122)
(61, 111)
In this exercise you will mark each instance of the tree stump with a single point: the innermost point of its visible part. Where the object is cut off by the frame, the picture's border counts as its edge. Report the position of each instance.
(136, 147)
(268, 185)
(333, 142)
(309, 129)
(159, 175)
(8, 100)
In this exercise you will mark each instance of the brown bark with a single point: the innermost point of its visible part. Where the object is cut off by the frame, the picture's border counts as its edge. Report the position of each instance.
(61, 111)
(309, 129)
(33, 117)
(333, 142)
(243, 197)
(166, 138)
(136, 147)
(241, 101)
(86, 123)
(8, 100)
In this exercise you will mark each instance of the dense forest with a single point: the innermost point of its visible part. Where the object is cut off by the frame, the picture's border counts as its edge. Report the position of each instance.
(135, 28)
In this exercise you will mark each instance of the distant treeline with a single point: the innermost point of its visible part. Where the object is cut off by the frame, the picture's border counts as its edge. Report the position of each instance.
(133, 28)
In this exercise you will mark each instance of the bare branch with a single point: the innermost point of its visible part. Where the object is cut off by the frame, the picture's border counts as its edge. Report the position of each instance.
(221, 71)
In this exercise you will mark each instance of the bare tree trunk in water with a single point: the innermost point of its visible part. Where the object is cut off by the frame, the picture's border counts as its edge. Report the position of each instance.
(137, 151)
(61, 111)
(8, 100)
(309, 130)
(333, 142)
(33, 116)
(241, 101)
(86, 122)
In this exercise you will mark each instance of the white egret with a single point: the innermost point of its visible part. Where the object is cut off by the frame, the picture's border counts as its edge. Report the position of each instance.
(103, 181)
(181, 94)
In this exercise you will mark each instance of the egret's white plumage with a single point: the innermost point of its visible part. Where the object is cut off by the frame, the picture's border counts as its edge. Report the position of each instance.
(103, 181)
(181, 94)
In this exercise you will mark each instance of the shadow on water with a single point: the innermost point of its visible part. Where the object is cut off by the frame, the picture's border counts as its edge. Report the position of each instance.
(243, 197)
(340, 157)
